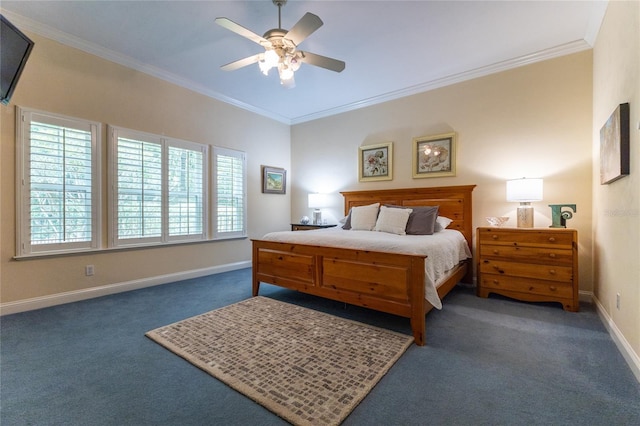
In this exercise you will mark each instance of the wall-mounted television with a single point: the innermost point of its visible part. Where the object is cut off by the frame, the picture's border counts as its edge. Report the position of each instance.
(15, 48)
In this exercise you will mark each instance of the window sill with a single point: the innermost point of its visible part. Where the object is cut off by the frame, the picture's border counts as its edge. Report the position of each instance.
(81, 252)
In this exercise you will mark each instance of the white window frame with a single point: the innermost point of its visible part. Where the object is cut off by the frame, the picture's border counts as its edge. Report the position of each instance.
(240, 155)
(24, 118)
(114, 133)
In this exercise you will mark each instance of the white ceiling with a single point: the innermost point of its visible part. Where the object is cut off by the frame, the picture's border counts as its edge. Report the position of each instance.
(392, 48)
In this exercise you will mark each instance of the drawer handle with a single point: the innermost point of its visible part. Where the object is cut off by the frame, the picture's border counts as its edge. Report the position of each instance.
(552, 271)
(496, 251)
(495, 281)
(494, 236)
(552, 288)
(552, 255)
(497, 268)
(552, 239)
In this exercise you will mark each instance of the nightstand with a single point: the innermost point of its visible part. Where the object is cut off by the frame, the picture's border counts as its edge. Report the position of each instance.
(529, 264)
(308, 226)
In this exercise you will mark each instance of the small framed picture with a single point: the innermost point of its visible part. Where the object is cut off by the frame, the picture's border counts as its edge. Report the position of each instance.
(434, 156)
(375, 162)
(274, 180)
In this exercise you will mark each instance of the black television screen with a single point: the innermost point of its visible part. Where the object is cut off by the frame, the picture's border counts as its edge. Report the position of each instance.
(15, 48)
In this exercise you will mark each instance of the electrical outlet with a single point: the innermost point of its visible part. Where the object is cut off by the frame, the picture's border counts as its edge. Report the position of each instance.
(618, 301)
(89, 270)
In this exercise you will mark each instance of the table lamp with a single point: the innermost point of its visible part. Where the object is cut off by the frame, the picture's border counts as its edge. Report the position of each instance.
(524, 191)
(316, 202)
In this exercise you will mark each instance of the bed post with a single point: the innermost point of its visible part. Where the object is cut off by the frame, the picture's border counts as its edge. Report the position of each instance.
(254, 270)
(418, 321)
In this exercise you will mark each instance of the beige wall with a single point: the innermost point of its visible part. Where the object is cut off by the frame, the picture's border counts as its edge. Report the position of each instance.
(533, 121)
(67, 81)
(616, 207)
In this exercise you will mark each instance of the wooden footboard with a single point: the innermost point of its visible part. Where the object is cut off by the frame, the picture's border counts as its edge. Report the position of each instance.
(386, 282)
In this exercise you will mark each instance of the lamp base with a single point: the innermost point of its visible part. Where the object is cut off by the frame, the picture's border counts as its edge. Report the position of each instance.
(525, 216)
(317, 217)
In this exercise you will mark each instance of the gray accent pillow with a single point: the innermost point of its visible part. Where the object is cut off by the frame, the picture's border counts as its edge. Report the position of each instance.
(347, 221)
(422, 220)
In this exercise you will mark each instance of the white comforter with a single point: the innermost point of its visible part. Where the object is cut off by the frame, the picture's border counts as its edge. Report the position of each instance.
(444, 249)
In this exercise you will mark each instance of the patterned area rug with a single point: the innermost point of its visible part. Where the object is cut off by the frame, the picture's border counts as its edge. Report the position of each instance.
(308, 367)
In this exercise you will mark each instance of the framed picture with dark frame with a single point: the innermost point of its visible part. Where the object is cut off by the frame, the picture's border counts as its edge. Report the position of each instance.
(434, 156)
(274, 180)
(614, 146)
(375, 162)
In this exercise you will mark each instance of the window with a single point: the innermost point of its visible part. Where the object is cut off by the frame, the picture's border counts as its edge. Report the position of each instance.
(58, 185)
(157, 192)
(158, 189)
(230, 193)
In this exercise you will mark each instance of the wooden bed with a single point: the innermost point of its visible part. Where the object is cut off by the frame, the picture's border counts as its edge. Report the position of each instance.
(387, 282)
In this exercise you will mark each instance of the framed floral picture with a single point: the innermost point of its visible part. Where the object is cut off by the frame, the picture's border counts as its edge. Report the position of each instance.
(375, 162)
(274, 180)
(434, 156)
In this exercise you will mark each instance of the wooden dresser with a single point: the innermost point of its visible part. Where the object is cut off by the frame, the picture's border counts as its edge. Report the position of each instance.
(530, 264)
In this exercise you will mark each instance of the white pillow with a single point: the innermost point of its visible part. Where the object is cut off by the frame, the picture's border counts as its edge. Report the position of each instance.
(363, 218)
(442, 222)
(392, 220)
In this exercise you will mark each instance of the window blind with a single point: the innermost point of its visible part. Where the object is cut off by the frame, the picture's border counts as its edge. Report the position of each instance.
(139, 189)
(58, 189)
(230, 193)
(186, 191)
(160, 189)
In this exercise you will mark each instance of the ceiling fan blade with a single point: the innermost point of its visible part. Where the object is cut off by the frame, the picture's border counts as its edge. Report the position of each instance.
(303, 28)
(322, 61)
(240, 30)
(232, 66)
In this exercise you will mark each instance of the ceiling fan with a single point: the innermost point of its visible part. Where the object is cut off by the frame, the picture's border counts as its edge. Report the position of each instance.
(281, 47)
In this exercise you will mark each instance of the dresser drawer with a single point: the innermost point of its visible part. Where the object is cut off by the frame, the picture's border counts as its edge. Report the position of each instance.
(529, 237)
(526, 285)
(539, 255)
(527, 270)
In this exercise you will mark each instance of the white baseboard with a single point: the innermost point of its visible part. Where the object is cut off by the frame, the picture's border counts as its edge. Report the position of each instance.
(89, 293)
(585, 296)
(621, 342)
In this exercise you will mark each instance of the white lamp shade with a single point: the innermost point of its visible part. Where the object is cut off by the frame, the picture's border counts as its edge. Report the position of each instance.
(524, 190)
(318, 201)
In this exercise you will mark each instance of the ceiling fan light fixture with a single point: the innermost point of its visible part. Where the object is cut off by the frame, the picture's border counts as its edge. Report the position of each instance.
(286, 73)
(269, 60)
(294, 63)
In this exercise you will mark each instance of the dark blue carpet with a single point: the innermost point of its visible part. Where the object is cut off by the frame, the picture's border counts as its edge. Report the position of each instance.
(487, 362)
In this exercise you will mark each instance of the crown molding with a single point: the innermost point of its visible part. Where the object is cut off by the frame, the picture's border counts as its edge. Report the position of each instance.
(562, 50)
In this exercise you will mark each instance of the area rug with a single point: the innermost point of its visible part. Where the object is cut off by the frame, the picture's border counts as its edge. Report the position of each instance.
(308, 367)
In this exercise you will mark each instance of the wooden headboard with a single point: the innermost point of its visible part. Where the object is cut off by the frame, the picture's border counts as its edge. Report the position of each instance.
(455, 202)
